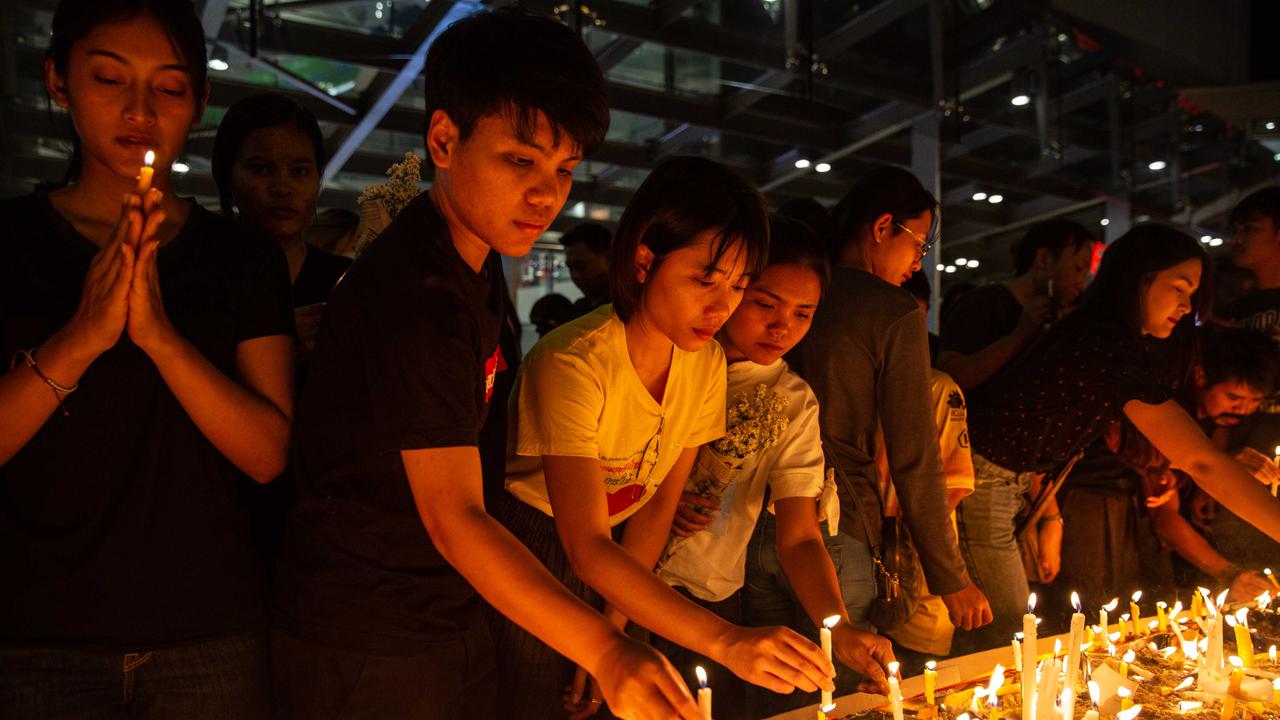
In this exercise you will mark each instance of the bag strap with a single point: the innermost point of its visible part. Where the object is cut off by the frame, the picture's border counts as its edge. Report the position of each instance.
(872, 541)
(1041, 503)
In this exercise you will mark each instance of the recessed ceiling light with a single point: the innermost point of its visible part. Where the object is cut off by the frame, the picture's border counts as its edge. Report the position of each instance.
(1020, 100)
(1104, 222)
(1215, 242)
(1157, 165)
(180, 167)
(822, 167)
(995, 199)
(973, 263)
(802, 163)
(962, 262)
(941, 267)
(1270, 126)
(218, 64)
(979, 196)
(951, 268)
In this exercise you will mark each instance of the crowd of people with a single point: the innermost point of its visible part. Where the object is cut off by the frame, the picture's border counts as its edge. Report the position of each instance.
(741, 432)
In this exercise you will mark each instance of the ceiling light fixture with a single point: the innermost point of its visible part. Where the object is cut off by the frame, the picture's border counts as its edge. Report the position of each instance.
(1020, 100)
(1157, 165)
(802, 163)
(822, 167)
(995, 199)
(979, 196)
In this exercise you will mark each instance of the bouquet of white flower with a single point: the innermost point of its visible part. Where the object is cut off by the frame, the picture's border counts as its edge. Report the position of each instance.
(379, 204)
(753, 424)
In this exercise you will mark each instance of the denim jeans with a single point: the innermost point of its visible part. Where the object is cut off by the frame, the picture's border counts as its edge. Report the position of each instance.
(986, 522)
(768, 599)
(223, 678)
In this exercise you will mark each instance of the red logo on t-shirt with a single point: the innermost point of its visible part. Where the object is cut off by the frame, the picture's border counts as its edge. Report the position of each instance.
(494, 365)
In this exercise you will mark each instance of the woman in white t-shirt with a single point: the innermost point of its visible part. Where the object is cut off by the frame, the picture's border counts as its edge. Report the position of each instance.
(772, 450)
(607, 416)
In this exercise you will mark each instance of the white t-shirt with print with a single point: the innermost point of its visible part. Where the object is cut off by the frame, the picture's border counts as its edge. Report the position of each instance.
(578, 395)
(712, 563)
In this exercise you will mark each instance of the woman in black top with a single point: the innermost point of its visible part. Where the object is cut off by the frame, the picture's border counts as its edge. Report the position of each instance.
(268, 158)
(152, 371)
(1100, 363)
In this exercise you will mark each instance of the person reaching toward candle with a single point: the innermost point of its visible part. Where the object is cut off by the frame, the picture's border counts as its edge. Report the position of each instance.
(732, 485)
(152, 382)
(1099, 364)
(391, 548)
(607, 417)
(866, 358)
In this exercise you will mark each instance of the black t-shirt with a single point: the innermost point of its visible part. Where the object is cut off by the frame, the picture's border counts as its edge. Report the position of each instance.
(121, 526)
(980, 317)
(1260, 311)
(1063, 393)
(320, 271)
(405, 360)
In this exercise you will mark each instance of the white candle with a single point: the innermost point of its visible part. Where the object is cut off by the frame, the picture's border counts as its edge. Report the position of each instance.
(895, 691)
(824, 636)
(145, 174)
(1074, 641)
(1047, 691)
(704, 693)
(1028, 677)
(1104, 619)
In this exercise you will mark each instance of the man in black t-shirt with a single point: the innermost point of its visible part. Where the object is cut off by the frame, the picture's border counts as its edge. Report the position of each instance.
(1256, 247)
(377, 613)
(992, 325)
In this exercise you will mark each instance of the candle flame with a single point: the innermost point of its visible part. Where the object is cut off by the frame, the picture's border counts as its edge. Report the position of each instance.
(1057, 647)
(1222, 598)
(829, 708)
(893, 667)
(1075, 600)
(1186, 683)
(931, 665)
(1031, 603)
(1162, 605)
(149, 158)
(1129, 714)
(1242, 616)
(997, 679)
(1094, 692)
(1189, 705)
(1124, 617)
(1136, 596)
(1167, 652)
(1231, 620)
(1124, 692)
(1128, 657)
(702, 676)
(830, 622)
(1018, 636)
(1275, 684)
(1115, 603)
(1267, 571)
(963, 716)
(1235, 661)
(1264, 599)
(1272, 653)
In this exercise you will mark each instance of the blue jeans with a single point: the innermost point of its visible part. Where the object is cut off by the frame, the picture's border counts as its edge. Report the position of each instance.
(768, 599)
(216, 679)
(986, 521)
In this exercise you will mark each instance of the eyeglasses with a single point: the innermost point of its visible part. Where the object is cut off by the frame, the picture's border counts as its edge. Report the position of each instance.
(925, 243)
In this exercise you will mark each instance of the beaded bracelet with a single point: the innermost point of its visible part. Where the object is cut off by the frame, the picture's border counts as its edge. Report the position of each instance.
(59, 391)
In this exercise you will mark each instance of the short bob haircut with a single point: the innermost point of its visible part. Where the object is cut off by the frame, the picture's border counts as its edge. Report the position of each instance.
(1053, 235)
(679, 200)
(793, 242)
(1128, 267)
(74, 19)
(256, 112)
(517, 64)
(885, 189)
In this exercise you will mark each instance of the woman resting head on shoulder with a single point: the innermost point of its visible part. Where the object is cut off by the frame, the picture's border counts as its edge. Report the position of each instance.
(608, 414)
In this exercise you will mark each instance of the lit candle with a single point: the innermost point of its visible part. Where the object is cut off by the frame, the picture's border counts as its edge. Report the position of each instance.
(1047, 693)
(1228, 708)
(704, 693)
(895, 691)
(931, 681)
(1074, 640)
(1271, 654)
(1126, 698)
(824, 636)
(1189, 705)
(1161, 617)
(144, 175)
(1136, 612)
(1244, 642)
(1017, 652)
(1094, 692)
(1130, 713)
(1237, 675)
(1271, 577)
(1197, 605)
(1124, 626)
(1028, 677)
(993, 687)
(1103, 618)
(1127, 658)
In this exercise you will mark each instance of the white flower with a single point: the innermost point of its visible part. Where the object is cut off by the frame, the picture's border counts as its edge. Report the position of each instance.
(401, 187)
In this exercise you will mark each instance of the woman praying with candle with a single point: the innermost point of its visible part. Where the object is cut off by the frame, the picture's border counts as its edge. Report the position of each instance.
(1099, 364)
(708, 555)
(153, 374)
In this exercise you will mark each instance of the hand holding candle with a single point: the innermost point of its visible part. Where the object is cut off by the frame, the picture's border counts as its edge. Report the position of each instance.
(146, 173)
(895, 691)
(824, 637)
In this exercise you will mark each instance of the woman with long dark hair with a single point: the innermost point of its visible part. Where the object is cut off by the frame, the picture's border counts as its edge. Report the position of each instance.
(1106, 361)
(152, 373)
